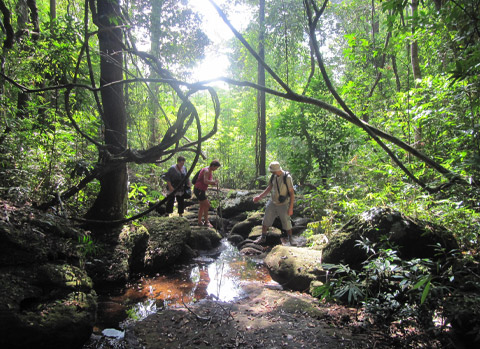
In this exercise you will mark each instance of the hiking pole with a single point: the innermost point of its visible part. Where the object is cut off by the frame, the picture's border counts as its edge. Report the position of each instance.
(218, 212)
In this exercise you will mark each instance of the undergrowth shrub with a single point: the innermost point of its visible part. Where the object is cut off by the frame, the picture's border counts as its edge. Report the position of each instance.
(432, 294)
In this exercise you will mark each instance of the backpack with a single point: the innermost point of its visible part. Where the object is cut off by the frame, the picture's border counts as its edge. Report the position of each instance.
(284, 178)
(195, 178)
(164, 176)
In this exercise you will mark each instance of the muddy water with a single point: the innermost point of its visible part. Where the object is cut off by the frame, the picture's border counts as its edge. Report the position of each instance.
(219, 274)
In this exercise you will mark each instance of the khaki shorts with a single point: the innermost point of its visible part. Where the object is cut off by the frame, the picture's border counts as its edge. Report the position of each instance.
(272, 211)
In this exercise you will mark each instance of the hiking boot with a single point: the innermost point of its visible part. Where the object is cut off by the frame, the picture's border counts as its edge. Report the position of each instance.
(290, 240)
(260, 240)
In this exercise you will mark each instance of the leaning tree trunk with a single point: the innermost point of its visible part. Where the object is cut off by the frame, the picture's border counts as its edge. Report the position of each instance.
(110, 203)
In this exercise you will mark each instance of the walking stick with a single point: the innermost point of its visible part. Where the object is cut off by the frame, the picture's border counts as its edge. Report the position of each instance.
(218, 212)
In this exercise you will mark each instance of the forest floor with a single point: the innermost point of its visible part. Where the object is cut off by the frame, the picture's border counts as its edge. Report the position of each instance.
(266, 318)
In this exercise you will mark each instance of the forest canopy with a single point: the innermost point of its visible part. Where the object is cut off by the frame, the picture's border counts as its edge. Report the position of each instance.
(365, 103)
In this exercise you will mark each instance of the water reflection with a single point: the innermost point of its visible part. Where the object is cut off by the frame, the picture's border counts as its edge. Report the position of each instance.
(219, 275)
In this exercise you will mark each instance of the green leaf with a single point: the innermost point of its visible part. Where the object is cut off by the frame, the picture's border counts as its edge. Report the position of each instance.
(421, 283)
(425, 292)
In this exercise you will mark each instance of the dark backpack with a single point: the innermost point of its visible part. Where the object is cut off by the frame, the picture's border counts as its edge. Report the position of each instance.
(195, 178)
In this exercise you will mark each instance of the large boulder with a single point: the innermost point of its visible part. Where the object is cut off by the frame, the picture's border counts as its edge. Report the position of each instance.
(109, 265)
(293, 267)
(136, 241)
(168, 237)
(244, 228)
(414, 238)
(239, 201)
(204, 238)
(46, 297)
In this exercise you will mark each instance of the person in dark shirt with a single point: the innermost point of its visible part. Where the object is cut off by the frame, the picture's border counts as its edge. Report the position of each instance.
(176, 173)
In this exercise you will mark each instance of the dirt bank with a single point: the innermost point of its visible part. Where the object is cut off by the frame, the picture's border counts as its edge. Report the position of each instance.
(266, 318)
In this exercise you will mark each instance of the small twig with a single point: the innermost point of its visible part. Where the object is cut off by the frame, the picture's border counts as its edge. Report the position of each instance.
(202, 318)
(227, 312)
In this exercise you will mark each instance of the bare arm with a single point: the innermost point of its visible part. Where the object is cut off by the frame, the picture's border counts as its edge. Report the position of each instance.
(262, 195)
(206, 175)
(291, 192)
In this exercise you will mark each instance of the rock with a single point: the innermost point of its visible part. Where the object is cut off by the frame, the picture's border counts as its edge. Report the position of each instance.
(167, 239)
(188, 254)
(293, 267)
(302, 221)
(109, 266)
(46, 297)
(250, 251)
(235, 239)
(137, 242)
(273, 235)
(317, 241)
(414, 238)
(245, 227)
(239, 201)
(204, 238)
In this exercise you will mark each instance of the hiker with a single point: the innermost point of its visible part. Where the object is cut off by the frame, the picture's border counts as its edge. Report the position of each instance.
(281, 201)
(176, 173)
(205, 178)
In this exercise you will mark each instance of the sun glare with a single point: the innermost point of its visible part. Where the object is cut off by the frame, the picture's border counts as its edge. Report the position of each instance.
(216, 61)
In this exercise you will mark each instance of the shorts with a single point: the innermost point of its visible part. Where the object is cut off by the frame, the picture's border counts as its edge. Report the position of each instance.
(281, 211)
(200, 194)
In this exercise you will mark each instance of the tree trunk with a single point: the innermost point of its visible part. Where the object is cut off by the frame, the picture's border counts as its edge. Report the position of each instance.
(261, 107)
(53, 9)
(417, 75)
(395, 71)
(414, 46)
(111, 200)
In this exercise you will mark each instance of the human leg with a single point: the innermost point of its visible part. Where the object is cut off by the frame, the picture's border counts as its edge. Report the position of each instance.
(262, 238)
(202, 198)
(201, 208)
(267, 222)
(205, 213)
(282, 211)
(180, 205)
(169, 205)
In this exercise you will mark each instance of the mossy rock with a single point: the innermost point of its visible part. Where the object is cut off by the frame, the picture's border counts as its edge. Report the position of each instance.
(294, 268)
(239, 201)
(414, 238)
(167, 239)
(204, 238)
(49, 306)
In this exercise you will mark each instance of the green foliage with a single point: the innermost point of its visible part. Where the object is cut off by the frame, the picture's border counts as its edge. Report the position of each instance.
(142, 194)
(393, 289)
(86, 246)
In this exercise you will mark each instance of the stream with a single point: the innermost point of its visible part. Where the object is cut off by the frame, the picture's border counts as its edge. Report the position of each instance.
(218, 274)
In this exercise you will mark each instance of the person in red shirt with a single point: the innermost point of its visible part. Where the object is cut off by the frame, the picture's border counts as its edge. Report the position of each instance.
(205, 178)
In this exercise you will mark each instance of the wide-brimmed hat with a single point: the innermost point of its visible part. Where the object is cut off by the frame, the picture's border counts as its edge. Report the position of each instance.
(274, 166)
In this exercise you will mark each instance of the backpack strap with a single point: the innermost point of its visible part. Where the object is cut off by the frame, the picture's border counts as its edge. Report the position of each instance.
(286, 174)
(285, 178)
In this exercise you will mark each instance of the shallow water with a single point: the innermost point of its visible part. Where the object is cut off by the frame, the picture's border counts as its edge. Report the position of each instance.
(217, 274)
